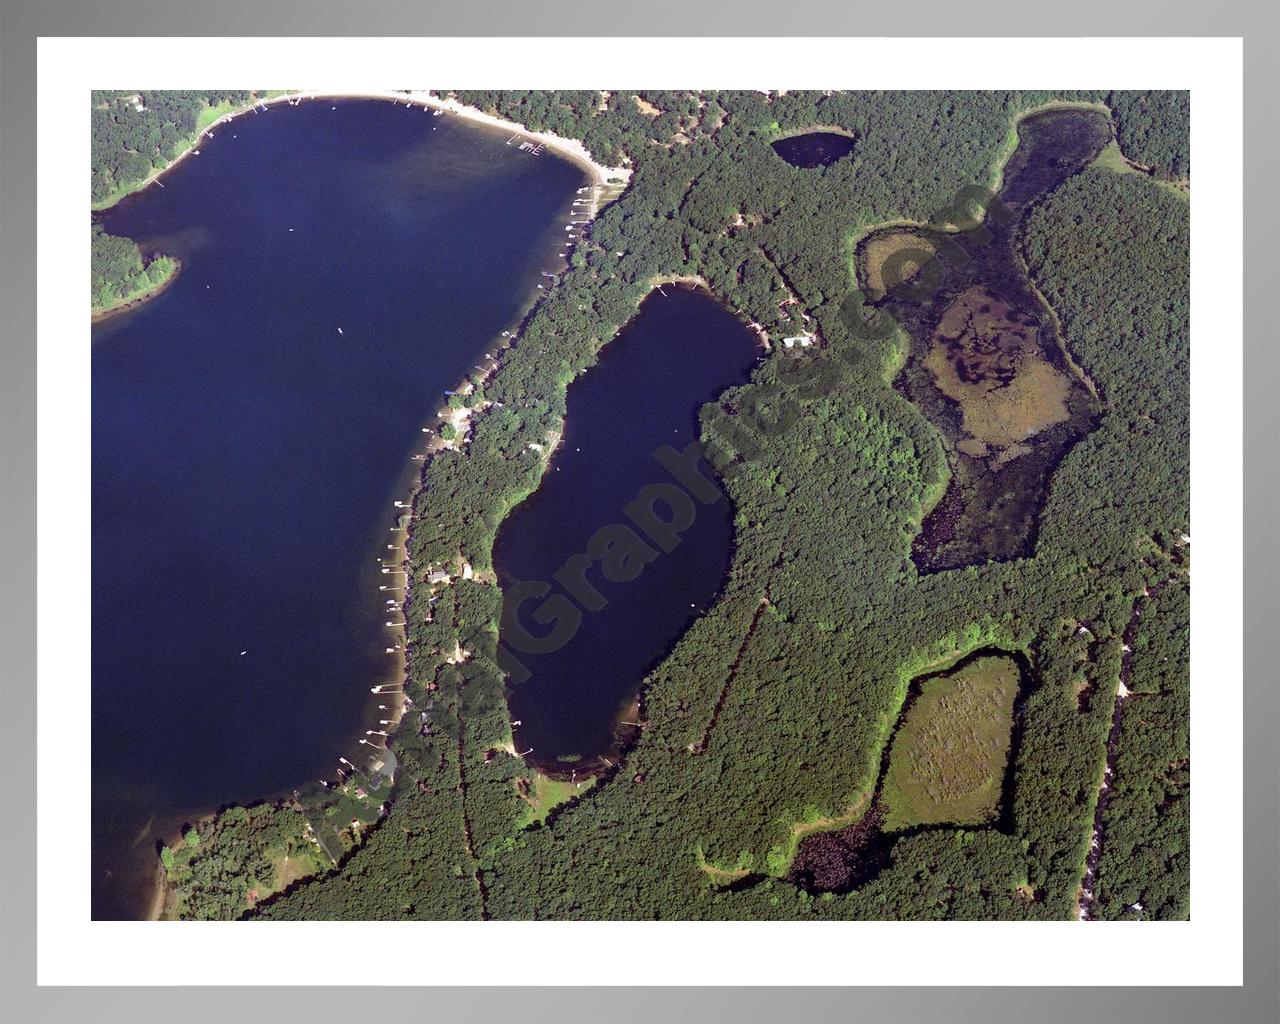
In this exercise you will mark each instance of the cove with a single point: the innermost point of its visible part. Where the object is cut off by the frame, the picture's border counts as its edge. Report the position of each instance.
(813, 149)
(571, 703)
(343, 263)
(986, 364)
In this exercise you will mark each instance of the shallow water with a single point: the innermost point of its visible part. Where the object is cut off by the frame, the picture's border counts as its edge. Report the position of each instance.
(681, 350)
(342, 264)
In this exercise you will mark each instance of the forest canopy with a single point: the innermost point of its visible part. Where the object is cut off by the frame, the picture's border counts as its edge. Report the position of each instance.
(1154, 130)
(134, 134)
(118, 273)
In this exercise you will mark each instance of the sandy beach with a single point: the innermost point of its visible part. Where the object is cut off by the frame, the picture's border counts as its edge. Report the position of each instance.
(461, 419)
(572, 149)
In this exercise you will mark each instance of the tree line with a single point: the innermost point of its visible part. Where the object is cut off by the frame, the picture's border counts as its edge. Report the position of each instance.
(134, 134)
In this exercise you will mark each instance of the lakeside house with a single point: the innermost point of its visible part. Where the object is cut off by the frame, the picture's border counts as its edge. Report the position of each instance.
(382, 770)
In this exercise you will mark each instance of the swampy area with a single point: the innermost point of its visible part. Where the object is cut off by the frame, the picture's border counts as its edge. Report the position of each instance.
(988, 364)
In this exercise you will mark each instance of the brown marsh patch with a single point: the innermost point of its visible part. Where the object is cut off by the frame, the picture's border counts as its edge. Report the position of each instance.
(647, 108)
(987, 356)
(902, 253)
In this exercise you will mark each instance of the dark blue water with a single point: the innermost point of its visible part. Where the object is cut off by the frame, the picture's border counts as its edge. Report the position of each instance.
(815, 149)
(246, 454)
(680, 351)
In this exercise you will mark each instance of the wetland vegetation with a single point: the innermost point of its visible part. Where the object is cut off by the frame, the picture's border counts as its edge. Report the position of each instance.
(987, 364)
(948, 760)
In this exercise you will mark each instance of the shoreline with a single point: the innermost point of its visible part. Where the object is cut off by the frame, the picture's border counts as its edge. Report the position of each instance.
(699, 283)
(602, 187)
(160, 890)
(600, 176)
(629, 720)
(462, 419)
(136, 300)
(571, 149)
(177, 158)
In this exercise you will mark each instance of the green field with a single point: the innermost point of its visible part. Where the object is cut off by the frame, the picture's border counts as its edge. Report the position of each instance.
(544, 795)
(948, 760)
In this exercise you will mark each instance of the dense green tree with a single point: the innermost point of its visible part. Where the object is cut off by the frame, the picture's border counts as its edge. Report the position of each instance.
(118, 272)
(1145, 864)
(1154, 129)
(133, 134)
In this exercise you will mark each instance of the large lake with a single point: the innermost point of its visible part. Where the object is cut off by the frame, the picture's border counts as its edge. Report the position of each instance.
(342, 264)
(679, 352)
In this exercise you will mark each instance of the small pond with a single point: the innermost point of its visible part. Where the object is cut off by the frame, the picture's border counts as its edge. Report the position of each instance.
(814, 149)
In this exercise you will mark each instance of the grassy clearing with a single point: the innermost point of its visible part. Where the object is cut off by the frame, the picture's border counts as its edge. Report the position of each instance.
(297, 865)
(948, 760)
(545, 795)
(210, 115)
(1112, 159)
(287, 867)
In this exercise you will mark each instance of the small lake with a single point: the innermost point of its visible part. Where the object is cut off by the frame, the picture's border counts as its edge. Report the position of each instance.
(813, 149)
(680, 351)
(343, 263)
(986, 365)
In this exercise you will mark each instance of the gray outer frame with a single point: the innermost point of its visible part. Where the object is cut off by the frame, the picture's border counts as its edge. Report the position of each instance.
(1258, 23)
